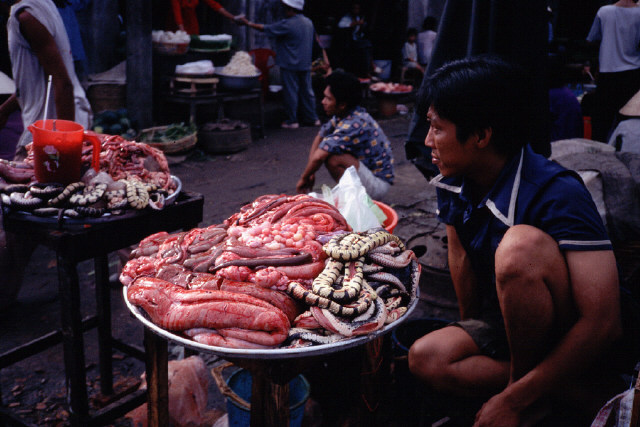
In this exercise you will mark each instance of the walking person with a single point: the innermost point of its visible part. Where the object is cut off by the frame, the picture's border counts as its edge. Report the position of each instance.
(617, 28)
(294, 36)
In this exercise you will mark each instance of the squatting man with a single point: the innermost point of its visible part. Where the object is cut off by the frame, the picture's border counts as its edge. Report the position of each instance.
(351, 137)
(531, 263)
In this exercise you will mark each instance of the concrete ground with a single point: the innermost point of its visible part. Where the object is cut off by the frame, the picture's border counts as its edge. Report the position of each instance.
(34, 388)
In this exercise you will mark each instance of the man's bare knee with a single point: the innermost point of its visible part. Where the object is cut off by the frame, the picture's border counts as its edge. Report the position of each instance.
(337, 163)
(423, 360)
(524, 253)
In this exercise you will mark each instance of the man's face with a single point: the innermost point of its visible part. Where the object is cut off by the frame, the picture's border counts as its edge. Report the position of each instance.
(451, 156)
(329, 103)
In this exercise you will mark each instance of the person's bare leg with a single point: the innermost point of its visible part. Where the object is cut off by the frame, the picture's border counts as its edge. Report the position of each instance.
(532, 282)
(449, 361)
(337, 163)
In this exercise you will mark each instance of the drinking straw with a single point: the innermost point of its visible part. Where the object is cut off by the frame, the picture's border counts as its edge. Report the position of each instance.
(46, 102)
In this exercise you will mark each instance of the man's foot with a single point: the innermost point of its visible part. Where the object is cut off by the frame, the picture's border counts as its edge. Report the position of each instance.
(286, 125)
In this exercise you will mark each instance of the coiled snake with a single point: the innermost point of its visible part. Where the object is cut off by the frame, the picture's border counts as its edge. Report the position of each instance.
(346, 252)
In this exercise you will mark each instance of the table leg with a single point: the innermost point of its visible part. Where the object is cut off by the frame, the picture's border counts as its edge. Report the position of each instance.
(192, 112)
(269, 402)
(73, 342)
(262, 115)
(157, 370)
(371, 380)
(103, 306)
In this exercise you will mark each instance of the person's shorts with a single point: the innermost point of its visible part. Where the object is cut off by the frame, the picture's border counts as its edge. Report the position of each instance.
(490, 339)
(376, 187)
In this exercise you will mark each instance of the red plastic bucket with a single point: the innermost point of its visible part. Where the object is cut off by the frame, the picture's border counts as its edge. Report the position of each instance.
(392, 216)
(57, 154)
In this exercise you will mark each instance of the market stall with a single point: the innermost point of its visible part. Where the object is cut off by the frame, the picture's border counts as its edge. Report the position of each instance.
(80, 221)
(205, 72)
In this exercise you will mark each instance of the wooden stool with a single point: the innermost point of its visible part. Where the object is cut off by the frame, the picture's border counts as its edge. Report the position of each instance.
(193, 86)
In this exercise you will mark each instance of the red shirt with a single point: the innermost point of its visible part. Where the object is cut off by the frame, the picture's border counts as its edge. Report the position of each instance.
(184, 13)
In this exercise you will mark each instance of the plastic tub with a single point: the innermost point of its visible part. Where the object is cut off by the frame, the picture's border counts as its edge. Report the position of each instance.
(392, 216)
(240, 383)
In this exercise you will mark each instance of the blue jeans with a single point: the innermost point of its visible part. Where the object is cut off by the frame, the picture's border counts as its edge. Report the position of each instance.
(297, 91)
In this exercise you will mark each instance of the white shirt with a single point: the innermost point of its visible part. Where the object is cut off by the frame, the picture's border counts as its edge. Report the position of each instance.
(629, 132)
(31, 83)
(426, 41)
(618, 29)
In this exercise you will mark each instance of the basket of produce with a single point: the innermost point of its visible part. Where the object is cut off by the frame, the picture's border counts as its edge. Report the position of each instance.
(170, 43)
(224, 136)
(239, 73)
(171, 139)
(210, 43)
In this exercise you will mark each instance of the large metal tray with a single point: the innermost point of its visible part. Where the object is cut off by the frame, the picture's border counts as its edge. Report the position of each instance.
(68, 221)
(275, 353)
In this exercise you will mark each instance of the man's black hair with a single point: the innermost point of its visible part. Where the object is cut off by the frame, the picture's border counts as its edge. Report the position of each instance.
(345, 87)
(482, 92)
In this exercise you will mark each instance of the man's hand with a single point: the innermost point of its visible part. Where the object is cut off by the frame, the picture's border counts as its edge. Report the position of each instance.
(496, 412)
(305, 185)
(241, 20)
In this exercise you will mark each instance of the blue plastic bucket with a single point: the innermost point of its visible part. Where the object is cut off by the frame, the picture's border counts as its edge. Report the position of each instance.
(240, 383)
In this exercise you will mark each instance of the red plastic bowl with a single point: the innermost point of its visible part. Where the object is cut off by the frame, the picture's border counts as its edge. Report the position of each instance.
(392, 216)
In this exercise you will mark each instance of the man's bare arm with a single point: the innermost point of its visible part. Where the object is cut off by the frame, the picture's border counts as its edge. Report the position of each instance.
(463, 277)
(46, 50)
(317, 157)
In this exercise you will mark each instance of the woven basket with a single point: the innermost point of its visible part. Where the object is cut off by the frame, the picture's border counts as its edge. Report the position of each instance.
(104, 97)
(170, 147)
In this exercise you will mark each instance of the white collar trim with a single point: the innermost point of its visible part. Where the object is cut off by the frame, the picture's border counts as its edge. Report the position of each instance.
(510, 218)
(436, 183)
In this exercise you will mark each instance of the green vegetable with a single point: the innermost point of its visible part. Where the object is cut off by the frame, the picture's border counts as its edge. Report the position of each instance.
(170, 133)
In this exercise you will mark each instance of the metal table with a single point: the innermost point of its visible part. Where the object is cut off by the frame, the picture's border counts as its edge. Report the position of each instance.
(75, 241)
(219, 98)
(271, 369)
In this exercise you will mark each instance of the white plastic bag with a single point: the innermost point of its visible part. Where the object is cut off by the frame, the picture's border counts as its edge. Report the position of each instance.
(353, 202)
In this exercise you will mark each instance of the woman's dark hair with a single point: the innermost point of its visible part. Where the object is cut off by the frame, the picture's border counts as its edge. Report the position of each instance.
(412, 32)
(482, 92)
(430, 23)
(345, 87)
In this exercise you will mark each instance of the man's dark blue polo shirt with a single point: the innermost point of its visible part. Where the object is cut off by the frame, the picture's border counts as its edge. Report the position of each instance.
(530, 190)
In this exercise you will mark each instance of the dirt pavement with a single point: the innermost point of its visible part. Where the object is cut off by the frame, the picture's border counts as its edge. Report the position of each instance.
(34, 388)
